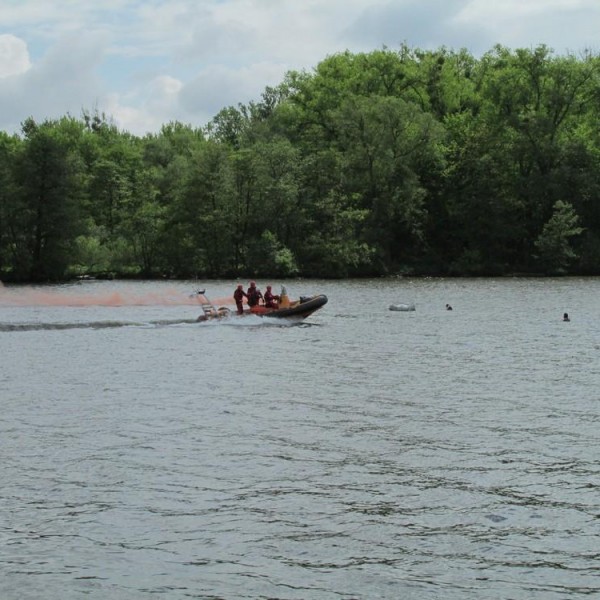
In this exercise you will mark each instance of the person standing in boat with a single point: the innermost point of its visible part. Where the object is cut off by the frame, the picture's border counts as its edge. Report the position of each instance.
(253, 294)
(239, 296)
(270, 298)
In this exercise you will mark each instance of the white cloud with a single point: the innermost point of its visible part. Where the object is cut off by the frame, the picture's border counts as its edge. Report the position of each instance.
(514, 10)
(64, 81)
(144, 110)
(14, 56)
(163, 99)
(564, 25)
(218, 86)
(425, 24)
(147, 63)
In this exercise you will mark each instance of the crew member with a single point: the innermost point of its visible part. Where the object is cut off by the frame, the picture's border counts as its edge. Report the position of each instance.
(238, 296)
(253, 294)
(271, 299)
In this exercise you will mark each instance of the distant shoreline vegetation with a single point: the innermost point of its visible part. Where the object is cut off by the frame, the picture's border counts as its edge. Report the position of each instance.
(393, 162)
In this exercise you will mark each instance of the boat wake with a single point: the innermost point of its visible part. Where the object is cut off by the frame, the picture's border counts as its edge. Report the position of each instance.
(249, 321)
(6, 327)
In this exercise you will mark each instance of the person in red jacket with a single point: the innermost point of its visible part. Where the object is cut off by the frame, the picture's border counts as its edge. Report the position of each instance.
(238, 296)
(270, 298)
(253, 294)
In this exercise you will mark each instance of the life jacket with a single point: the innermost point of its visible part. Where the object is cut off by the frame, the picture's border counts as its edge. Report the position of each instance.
(254, 296)
(270, 299)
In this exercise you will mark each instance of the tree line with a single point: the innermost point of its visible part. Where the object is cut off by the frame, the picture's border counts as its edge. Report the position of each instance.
(372, 164)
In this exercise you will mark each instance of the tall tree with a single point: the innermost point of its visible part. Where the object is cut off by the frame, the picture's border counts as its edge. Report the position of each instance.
(50, 177)
(553, 244)
(9, 206)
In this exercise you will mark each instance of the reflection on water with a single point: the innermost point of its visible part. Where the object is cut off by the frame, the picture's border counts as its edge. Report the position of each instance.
(363, 454)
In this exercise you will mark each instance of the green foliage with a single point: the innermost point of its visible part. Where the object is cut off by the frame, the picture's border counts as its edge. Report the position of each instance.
(553, 244)
(9, 147)
(590, 253)
(406, 161)
(90, 256)
(48, 196)
(269, 257)
(334, 248)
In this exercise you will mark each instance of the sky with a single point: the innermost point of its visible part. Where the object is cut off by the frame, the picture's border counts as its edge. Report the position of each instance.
(145, 63)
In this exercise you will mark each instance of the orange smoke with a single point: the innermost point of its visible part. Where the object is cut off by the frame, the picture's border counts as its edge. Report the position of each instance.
(25, 296)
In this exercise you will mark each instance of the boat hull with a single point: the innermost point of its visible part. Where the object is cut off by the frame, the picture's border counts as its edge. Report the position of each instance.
(297, 310)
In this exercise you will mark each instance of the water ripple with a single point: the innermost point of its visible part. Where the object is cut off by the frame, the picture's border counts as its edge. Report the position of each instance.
(358, 456)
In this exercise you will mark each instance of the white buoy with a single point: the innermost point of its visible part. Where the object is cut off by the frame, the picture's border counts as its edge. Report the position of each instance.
(402, 307)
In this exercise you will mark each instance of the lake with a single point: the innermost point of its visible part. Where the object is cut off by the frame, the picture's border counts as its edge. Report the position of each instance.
(361, 454)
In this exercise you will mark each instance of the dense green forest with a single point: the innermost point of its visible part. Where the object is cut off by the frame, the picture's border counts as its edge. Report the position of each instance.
(384, 163)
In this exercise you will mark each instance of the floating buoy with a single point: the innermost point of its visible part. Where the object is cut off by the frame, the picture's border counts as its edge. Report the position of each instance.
(402, 307)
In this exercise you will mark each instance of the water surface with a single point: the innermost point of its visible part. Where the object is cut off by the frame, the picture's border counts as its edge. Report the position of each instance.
(363, 454)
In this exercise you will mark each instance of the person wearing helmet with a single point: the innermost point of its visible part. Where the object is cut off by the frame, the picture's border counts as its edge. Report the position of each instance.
(253, 294)
(271, 299)
(238, 296)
